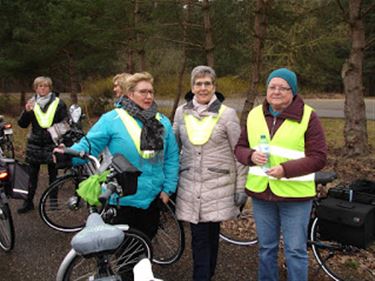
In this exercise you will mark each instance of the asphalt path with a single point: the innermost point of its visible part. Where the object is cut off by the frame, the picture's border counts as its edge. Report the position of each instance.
(332, 108)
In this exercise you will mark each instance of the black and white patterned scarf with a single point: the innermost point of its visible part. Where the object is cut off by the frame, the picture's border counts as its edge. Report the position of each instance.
(152, 130)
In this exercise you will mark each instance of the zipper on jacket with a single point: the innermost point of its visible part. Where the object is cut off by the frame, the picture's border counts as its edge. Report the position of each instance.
(273, 126)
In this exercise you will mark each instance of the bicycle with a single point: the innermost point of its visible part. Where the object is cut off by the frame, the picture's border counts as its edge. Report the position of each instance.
(7, 233)
(68, 212)
(101, 251)
(339, 261)
(6, 139)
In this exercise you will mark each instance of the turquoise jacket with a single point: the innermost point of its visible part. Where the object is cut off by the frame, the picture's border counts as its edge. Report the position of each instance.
(158, 174)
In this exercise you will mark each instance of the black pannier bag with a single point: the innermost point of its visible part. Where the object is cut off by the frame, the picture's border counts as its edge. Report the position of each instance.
(19, 179)
(346, 222)
(361, 191)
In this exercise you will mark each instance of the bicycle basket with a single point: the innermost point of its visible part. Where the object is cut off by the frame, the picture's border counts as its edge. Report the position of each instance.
(350, 223)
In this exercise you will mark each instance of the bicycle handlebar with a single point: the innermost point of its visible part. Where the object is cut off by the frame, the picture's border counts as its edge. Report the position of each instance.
(82, 155)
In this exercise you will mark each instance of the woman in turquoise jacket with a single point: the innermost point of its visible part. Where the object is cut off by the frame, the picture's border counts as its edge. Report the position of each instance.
(146, 139)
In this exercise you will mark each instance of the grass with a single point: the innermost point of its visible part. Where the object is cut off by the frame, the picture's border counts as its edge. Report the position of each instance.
(334, 131)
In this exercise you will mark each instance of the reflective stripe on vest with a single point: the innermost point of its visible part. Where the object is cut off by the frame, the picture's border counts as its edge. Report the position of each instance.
(45, 119)
(134, 131)
(199, 130)
(288, 143)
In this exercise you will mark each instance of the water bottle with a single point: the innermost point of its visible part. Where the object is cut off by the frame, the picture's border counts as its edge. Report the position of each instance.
(264, 147)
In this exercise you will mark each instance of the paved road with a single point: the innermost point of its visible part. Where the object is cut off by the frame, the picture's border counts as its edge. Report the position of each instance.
(324, 107)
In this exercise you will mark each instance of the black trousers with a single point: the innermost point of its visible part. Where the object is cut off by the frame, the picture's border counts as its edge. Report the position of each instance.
(205, 246)
(145, 220)
(34, 175)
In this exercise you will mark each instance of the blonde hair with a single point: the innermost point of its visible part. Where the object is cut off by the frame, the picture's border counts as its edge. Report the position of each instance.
(134, 79)
(42, 80)
(121, 79)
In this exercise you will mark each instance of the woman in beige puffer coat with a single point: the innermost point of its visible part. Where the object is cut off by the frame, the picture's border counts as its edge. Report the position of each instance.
(211, 184)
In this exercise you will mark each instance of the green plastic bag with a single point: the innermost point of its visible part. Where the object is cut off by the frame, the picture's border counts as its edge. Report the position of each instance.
(90, 188)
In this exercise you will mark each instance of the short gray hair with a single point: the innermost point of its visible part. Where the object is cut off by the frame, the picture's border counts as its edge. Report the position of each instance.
(42, 80)
(201, 71)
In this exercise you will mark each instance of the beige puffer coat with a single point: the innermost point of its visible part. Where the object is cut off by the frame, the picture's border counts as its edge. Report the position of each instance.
(209, 174)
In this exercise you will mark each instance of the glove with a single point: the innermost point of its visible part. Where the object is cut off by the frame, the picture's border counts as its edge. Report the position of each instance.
(240, 198)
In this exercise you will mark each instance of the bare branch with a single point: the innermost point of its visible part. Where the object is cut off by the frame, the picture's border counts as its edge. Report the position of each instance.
(178, 42)
(368, 10)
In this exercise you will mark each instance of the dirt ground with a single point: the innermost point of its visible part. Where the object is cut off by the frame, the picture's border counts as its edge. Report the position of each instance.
(39, 249)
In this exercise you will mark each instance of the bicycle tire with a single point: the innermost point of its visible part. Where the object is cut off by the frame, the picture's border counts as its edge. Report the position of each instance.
(240, 230)
(7, 234)
(67, 213)
(169, 242)
(76, 267)
(339, 261)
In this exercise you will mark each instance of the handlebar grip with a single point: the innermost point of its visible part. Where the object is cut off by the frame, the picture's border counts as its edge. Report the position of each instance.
(74, 153)
(103, 198)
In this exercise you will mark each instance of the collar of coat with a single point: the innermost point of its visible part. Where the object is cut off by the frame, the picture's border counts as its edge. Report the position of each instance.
(214, 107)
(293, 112)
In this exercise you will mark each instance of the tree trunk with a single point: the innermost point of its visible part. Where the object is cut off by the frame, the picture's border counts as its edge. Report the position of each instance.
(73, 77)
(355, 131)
(139, 38)
(208, 41)
(185, 20)
(260, 30)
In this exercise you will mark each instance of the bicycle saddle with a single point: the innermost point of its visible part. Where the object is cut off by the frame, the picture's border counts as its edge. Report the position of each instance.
(97, 236)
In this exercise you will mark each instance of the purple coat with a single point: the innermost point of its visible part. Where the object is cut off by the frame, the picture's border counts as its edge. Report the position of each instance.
(315, 147)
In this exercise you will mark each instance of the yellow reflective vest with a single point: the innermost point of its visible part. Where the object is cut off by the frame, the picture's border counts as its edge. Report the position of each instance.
(134, 131)
(199, 130)
(45, 119)
(288, 143)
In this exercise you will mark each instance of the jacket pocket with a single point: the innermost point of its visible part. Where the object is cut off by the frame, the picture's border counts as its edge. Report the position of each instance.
(184, 169)
(219, 171)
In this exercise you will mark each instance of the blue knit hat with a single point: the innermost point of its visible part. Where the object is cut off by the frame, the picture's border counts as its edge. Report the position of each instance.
(286, 74)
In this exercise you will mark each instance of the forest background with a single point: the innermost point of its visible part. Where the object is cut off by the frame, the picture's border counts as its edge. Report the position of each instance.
(330, 44)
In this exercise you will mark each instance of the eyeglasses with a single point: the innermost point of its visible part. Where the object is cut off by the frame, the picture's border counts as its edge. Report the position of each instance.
(205, 83)
(145, 92)
(283, 90)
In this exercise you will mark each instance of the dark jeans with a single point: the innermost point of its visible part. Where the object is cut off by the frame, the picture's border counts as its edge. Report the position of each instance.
(205, 246)
(145, 220)
(34, 174)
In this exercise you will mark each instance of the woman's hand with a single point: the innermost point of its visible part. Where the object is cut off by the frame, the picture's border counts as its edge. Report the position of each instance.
(259, 158)
(59, 149)
(29, 105)
(276, 172)
(164, 197)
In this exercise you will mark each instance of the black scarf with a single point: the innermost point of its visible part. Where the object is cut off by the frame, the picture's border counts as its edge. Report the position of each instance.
(152, 130)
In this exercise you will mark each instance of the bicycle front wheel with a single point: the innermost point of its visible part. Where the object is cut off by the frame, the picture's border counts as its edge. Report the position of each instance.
(240, 230)
(121, 262)
(61, 208)
(169, 242)
(7, 235)
(339, 261)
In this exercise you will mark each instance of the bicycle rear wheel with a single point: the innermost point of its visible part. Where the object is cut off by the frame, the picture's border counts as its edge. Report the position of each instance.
(61, 208)
(169, 242)
(342, 262)
(240, 230)
(134, 247)
(7, 235)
